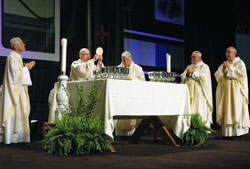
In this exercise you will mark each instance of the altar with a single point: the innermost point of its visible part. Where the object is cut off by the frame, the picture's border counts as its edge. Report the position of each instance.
(125, 98)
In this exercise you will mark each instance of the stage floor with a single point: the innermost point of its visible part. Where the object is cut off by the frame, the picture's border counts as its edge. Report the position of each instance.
(145, 154)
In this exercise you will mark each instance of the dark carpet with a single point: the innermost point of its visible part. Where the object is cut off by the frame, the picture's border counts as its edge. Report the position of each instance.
(146, 154)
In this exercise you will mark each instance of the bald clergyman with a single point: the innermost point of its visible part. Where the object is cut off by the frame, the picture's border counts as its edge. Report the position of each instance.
(84, 67)
(232, 96)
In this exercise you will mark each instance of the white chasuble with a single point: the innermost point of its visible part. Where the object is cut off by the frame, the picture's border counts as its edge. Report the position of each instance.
(200, 90)
(135, 72)
(81, 70)
(232, 99)
(15, 103)
(127, 127)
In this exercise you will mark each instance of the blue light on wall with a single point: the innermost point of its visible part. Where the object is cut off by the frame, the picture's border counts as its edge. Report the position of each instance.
(160, 53)
(153, 35)
(154, 54)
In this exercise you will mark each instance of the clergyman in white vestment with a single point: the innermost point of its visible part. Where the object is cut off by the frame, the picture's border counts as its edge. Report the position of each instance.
(135, 71)
(198, 79)
(127, 127)
(15, 103)
(232, 96)
(84, 67)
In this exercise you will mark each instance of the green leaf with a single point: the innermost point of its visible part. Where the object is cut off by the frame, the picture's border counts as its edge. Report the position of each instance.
(79, 131)
(198, 133)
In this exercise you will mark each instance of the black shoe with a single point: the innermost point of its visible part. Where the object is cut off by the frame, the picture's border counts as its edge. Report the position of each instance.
(237, 137)
(227, 138)
(124, 138)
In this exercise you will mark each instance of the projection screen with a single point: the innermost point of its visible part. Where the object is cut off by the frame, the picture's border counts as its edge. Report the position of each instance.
(36, 22)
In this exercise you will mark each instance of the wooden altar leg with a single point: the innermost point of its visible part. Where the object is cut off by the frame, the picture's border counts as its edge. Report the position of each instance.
(166, 134)
(112, 149)
(46, 125)
(140, 129)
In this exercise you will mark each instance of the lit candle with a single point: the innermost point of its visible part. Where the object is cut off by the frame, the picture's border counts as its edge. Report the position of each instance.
(168, 62)
(64, 46)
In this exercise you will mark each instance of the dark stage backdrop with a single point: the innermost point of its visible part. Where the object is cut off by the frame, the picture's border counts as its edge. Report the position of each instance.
(209, 27)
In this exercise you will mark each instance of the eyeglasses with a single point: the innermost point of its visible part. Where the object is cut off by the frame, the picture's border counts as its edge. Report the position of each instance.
(85, 54)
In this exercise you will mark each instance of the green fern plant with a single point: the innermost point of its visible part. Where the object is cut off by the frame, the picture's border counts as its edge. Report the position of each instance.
(85, 103)
(198, 133)
(80, 131)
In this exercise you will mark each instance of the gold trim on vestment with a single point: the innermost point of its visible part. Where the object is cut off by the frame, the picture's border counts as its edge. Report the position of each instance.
(26, 123)
(191, 82)
(207, 96)
(130, 72)
(223, 107)
(14, 94)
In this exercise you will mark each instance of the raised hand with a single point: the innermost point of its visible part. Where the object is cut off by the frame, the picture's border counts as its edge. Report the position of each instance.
(30, 65)
(100, 57)
(96, 57)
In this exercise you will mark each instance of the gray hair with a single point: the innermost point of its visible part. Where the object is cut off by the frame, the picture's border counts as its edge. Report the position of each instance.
(233, 49)
(126, 54)
(197, 52)
(83, 49)
(14, 42)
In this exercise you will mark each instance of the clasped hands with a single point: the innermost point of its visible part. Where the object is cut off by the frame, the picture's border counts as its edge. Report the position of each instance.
(190, 70)
(30, 65)
(225, 67)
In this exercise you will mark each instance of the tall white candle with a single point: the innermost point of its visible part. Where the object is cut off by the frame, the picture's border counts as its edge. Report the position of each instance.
(168, 56)
(64, 47)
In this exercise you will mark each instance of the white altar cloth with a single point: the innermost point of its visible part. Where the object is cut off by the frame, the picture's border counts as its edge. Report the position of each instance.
(169, 101)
